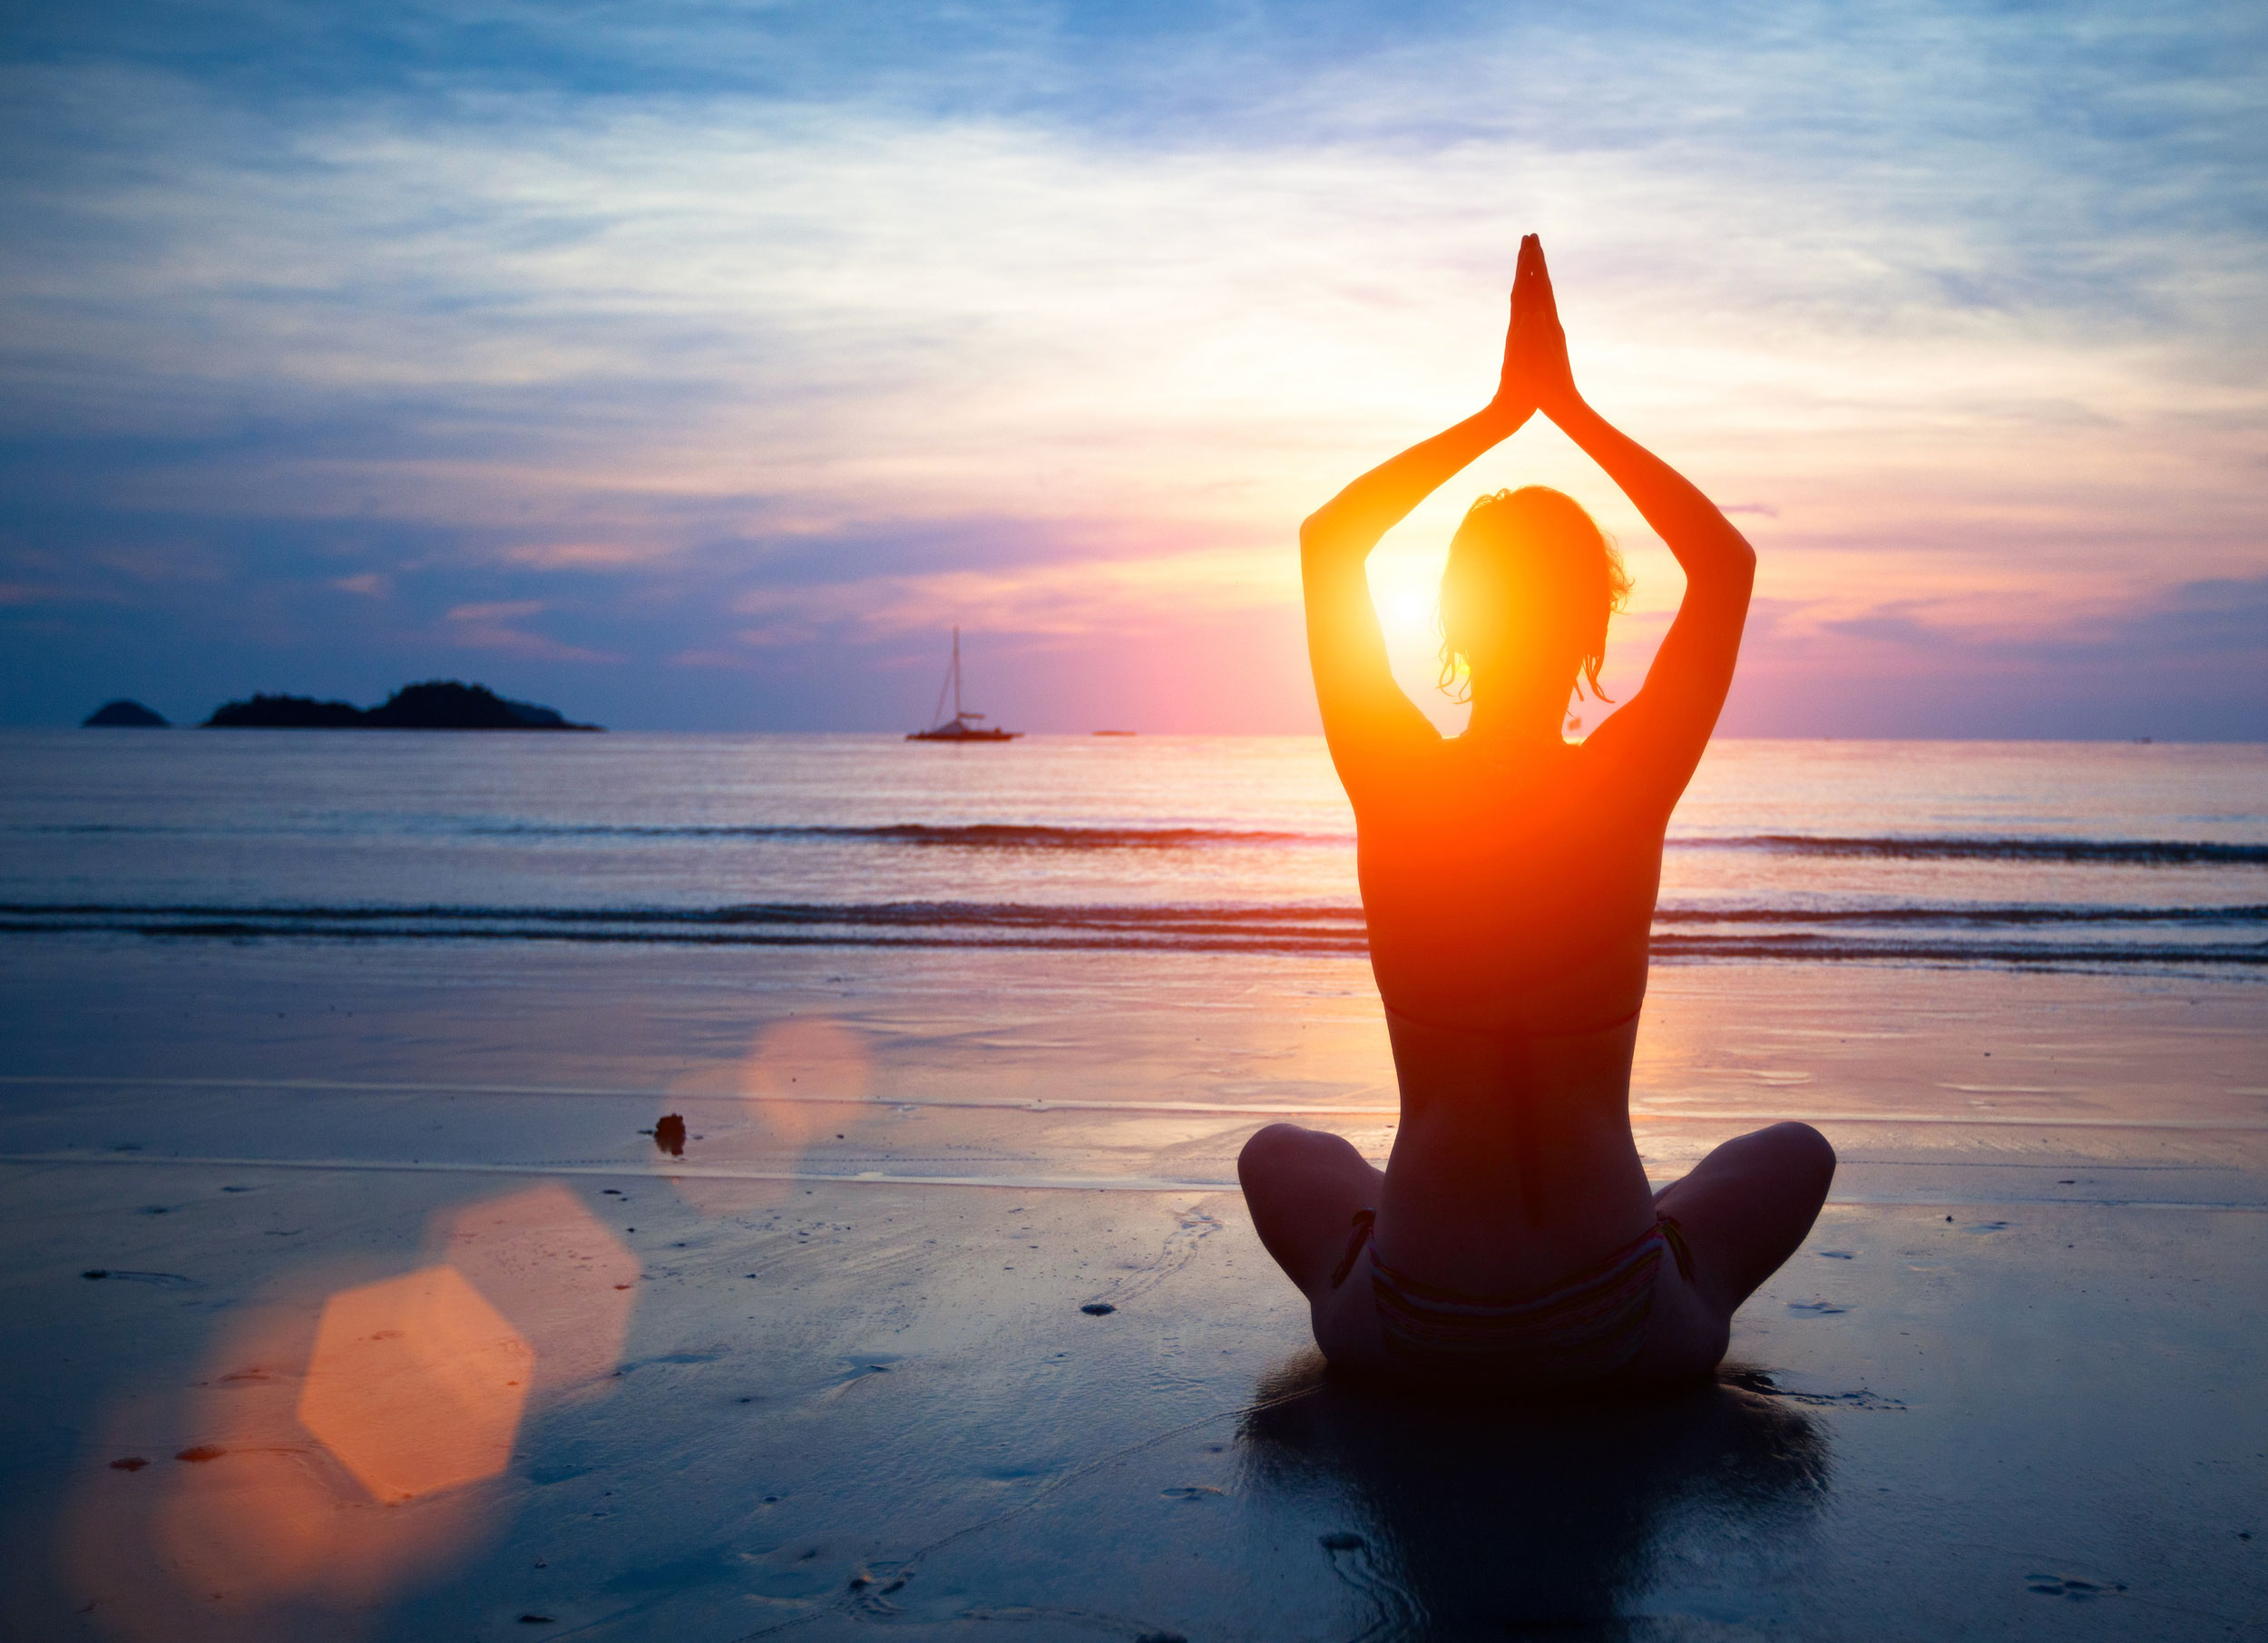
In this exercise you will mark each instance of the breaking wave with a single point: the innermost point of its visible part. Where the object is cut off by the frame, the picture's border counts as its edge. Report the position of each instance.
(1959, 934)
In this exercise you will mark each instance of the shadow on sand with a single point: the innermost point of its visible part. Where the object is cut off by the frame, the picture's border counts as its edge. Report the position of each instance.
(1483, 1521)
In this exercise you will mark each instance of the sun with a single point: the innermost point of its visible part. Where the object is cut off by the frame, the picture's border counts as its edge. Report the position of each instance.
(1406, 589)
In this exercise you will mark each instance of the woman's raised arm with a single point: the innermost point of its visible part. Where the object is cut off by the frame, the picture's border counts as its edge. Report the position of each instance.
(1657, 738)
(1367, 719)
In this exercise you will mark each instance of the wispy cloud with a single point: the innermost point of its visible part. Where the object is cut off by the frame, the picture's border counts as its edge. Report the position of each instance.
(776, 322)
(489, 627)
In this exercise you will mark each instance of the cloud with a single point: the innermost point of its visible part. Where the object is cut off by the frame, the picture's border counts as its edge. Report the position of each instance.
(711, 659)
(585, 555)
(34, 593)
(1034, 598)
(2186, 660)
(500, 610)
(1053, 321)
(485, 627)
(1889, 627)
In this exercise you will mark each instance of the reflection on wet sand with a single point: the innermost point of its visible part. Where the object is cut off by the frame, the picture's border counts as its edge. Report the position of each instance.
(246, 1526)
(565, 1282)
(780, 1096)
(345, 1439)
(416, 1384)
(1475, 1520)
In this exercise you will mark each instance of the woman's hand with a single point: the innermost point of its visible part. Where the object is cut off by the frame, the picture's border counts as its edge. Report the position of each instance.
(1537, 376)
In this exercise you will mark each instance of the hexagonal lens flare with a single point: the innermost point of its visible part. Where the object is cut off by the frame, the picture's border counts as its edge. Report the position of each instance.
(333, 1449)
(545, 1261)
(416, 1384)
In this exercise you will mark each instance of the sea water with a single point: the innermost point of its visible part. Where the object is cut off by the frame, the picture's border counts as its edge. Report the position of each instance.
(2076, 854)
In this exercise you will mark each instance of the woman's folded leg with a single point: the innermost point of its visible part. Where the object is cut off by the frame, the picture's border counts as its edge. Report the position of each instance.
(1303, 1188)
(1740, 1212)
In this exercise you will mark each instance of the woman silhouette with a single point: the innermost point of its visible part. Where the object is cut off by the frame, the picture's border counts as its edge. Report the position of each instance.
(1508, 879)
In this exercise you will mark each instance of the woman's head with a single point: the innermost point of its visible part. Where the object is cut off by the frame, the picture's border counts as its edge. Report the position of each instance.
(1530, 582)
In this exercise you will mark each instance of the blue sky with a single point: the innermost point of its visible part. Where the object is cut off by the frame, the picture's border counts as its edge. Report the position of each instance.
(698, 366)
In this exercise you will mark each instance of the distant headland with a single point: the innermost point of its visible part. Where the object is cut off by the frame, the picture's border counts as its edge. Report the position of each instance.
(440, 704)
(124, 715)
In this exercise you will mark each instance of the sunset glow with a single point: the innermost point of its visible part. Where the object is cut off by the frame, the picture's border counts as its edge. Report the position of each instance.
(662, 388)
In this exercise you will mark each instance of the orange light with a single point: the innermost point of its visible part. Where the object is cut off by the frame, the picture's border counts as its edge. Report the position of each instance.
(547, 1264)
(335, 1447)
(243, 1527)
(416, 1384)
(787, 1090)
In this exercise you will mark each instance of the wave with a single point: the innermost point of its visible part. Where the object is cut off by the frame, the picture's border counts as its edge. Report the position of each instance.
(1958, 934)
(1972, 914)
(2129, 852)
(974, 835)
(1036, 835)
(1006, 836)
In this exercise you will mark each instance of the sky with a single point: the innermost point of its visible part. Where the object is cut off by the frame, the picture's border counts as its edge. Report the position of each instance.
(695, 366)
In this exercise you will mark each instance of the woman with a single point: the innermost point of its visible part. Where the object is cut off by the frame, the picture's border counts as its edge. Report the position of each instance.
(1508, 879)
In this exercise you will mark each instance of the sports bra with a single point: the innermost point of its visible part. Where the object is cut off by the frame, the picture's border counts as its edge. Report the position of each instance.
(1492, 1032)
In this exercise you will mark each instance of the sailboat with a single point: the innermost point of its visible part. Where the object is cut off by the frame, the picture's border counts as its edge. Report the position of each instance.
(963, 726)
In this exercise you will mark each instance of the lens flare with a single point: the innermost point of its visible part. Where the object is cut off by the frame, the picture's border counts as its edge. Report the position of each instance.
(544, 1261)
(335, 1448)
(416, 1384)
(244, 1526)
(783, 1101)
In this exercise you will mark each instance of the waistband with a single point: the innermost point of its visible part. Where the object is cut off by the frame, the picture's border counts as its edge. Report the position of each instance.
(1501, 1034)
(1581, 1330)
(1665, 1228)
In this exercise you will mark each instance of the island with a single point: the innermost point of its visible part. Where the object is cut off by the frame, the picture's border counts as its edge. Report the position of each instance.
(439, 704)
(124, 715)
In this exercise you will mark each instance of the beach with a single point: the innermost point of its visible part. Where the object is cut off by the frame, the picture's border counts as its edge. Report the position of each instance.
(351, 1218)
(679, 691)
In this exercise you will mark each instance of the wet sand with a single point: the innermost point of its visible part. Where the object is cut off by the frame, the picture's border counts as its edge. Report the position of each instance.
(454, 1350)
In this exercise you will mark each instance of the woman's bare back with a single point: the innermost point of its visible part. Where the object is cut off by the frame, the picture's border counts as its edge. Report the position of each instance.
(1508, 931)
(1505, 892)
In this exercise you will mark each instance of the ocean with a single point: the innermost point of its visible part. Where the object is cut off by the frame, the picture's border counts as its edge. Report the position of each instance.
(827, 1148)
(1941, 853)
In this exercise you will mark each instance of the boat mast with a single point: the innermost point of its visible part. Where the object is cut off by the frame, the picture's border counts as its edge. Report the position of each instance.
(956, 670)
(937, 714)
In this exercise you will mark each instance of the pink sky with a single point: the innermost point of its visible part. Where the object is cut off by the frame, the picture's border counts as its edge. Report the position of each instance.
(702, 403)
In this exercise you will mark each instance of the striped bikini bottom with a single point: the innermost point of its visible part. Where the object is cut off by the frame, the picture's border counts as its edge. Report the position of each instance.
(1580, 1331)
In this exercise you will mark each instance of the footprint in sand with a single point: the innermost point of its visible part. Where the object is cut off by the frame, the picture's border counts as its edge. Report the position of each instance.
(163, 1280)
(2063, 1586)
